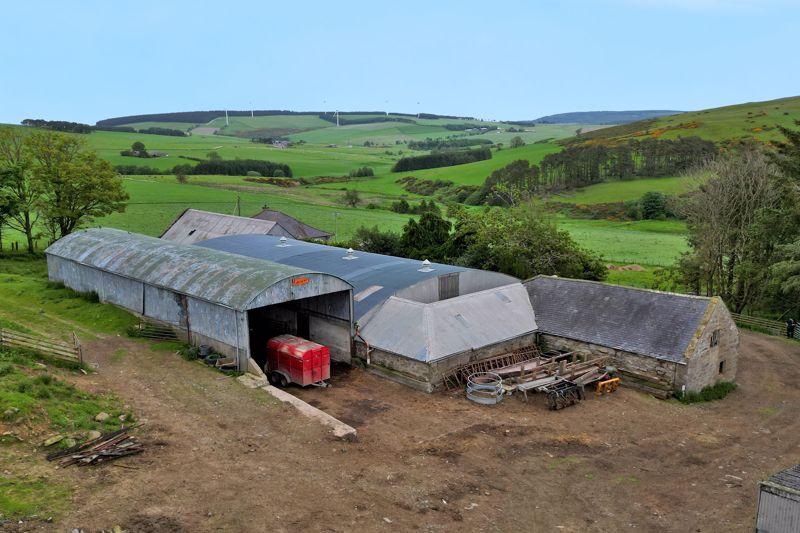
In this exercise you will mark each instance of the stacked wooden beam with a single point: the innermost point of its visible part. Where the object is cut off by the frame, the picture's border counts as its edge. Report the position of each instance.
(104, 448)
(457, 377)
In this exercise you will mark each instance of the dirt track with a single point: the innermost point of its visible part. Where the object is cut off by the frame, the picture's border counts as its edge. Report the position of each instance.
(225, 457)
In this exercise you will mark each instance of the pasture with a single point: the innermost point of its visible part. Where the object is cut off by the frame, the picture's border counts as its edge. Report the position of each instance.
(623, 191)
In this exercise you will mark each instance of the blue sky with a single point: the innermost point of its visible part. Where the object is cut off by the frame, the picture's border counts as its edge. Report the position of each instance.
(88, 60)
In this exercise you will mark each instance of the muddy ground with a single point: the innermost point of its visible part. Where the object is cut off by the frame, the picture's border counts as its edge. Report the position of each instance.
(223, 457)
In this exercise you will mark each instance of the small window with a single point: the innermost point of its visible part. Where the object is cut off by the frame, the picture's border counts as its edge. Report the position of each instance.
(715, 338)
(722, 367)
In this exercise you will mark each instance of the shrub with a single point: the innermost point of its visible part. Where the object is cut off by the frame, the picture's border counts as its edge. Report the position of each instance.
(708, 394)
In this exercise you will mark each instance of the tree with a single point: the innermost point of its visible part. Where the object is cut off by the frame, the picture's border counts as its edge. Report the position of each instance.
(75, 185)
(787, 156)
(516, 142)
(138, 146)
(520, 242)
(351, 198)
(426, 238)
(653, 205)
(737, 218)
(7, 209)
(15, 167)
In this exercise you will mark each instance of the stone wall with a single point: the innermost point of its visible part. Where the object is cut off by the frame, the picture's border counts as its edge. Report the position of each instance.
(428, 376)
(704, 357)
(666, 371)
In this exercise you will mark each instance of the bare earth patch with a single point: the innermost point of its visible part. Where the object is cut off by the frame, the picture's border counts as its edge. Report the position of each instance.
(223, 457)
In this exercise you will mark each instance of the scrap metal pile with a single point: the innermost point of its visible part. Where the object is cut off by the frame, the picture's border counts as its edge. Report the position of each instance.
(562, 377)
(104, 448)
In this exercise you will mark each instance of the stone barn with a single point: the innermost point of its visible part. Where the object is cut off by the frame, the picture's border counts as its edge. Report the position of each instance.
(659, 340)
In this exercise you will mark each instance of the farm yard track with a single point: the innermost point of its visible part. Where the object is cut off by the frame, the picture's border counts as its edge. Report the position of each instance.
(222, 457)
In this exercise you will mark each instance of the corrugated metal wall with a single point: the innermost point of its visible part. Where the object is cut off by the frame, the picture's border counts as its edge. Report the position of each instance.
(778, 511)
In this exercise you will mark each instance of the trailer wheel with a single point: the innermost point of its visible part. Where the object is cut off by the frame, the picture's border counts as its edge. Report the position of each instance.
(282, 380)
(274, 379)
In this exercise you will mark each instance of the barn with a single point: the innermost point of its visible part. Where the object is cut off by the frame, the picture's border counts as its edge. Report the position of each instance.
(230, 302)
(661, 341)
(193, 226)
(414, 320)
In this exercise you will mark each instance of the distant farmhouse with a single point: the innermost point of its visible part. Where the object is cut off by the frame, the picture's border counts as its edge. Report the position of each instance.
(193, 226)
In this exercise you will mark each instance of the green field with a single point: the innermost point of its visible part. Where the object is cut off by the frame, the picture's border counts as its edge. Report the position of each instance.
(622, 191)
(754, 120)
(643, 242)
(469, 174)
(156, 200)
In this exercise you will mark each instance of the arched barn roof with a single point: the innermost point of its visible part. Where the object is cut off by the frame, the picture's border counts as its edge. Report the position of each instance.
(375, 277)
(221, 278)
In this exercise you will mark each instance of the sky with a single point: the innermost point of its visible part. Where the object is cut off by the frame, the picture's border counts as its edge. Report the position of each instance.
(505, 60)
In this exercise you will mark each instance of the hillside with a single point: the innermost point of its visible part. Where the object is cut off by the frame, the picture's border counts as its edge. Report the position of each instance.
(751, 121)
(354, 128)
(599, 117)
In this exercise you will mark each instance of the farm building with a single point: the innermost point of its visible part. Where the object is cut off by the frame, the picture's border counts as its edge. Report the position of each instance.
(193, 226)
(231, 302)
(661, 341)
(414, 320)
(296, 229)
(779, 502)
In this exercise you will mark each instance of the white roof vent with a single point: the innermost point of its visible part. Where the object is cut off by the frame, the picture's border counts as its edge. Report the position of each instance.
(283, 243)
(426, 267)
(350, 255)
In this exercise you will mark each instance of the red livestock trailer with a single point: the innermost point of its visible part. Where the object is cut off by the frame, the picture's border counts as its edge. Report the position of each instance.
(292, 359)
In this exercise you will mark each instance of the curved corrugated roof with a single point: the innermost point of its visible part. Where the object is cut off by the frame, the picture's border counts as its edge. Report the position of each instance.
(219, 277)
(375, 277)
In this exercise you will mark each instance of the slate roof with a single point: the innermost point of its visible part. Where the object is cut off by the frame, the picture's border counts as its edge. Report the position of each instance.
(193, 226)
(296, 229)
(374, 277)
(789, 478)
(652, 323)
(452, 326)
(218, 277)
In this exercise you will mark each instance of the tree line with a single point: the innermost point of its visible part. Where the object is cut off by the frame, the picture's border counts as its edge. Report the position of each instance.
(347, 121)
(58, 125)
(578, 166)
(441, 159)
(519, 242)
(446, 144)
(52, 183)
(235, 167)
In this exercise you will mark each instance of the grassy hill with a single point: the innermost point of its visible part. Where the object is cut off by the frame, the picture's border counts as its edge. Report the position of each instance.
(601, 117)
(754, 120)
(396, 128)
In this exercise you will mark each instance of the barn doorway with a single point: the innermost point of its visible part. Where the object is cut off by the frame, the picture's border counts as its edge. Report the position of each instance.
(325, 319)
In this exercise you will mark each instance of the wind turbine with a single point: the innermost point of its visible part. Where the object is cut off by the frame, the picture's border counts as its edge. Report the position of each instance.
(226, 118)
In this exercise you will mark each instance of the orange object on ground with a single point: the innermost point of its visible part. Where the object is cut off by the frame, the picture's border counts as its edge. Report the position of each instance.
(609, 385)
